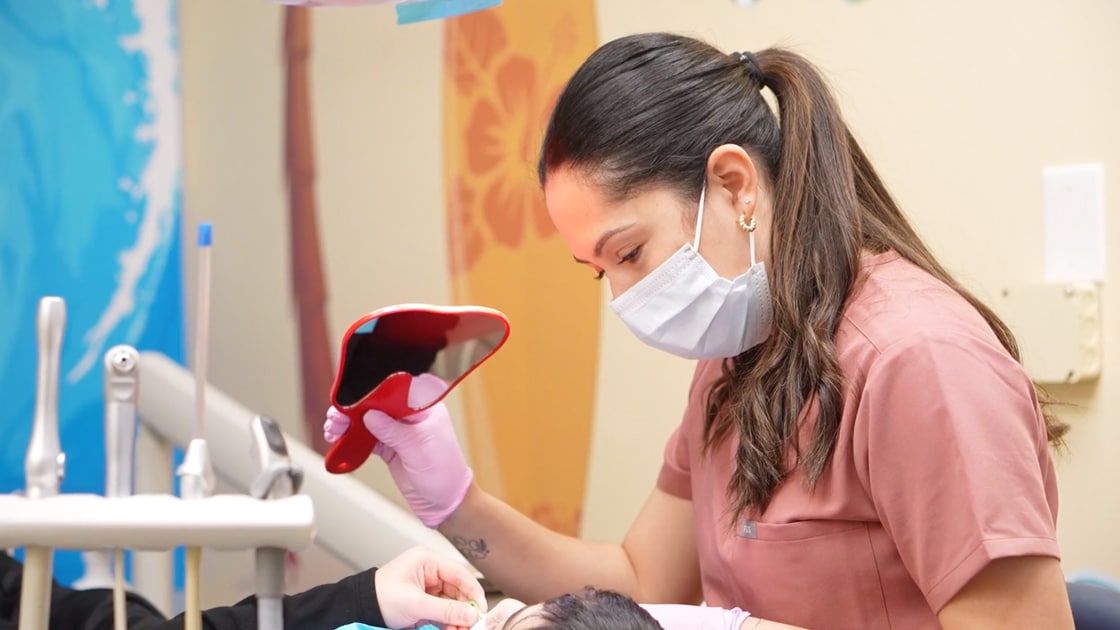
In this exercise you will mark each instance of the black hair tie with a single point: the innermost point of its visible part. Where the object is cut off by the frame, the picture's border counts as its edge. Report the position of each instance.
(754, 69)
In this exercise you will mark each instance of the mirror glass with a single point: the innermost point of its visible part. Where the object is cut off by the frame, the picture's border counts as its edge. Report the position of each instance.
(421, 343)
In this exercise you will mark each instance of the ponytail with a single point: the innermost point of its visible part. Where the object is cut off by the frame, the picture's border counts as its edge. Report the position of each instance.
(815, 245)
(830, 205)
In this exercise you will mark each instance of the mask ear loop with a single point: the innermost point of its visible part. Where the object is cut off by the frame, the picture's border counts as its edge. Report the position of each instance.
(699, 219)
(750, 235)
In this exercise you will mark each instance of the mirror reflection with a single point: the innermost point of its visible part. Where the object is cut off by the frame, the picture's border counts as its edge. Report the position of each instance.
(442, 345)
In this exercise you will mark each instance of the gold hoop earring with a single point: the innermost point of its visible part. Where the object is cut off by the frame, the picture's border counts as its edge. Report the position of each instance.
(745, 226)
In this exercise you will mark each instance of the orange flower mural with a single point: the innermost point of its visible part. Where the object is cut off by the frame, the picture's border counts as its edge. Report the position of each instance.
(528, 410)
(473, 42)
(502, 141)
(503, 131)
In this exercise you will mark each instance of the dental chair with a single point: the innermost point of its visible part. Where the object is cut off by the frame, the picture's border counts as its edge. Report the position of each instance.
(1095, 606)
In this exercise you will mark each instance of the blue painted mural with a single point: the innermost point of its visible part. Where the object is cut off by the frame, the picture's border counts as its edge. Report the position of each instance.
(90, 178)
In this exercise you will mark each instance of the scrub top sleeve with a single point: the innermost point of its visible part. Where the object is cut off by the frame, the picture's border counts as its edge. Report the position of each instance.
(958, 466)
(675, 477)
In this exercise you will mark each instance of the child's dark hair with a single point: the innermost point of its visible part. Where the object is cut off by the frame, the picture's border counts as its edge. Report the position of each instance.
(593, 609)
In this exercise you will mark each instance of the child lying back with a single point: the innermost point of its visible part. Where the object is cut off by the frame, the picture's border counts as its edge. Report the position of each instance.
(593, 609)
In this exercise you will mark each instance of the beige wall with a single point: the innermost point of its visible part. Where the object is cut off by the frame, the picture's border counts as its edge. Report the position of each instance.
(960, 103)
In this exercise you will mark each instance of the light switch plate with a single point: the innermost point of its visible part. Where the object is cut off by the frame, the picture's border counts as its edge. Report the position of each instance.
(1073, 223)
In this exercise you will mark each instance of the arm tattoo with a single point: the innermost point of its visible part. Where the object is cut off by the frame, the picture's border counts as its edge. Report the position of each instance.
(476, 549)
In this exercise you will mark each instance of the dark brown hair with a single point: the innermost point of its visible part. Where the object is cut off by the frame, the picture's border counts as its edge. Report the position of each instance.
(647, 110)
(594, 609)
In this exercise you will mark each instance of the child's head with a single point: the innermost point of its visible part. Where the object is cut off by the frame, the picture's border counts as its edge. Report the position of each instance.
(589, 609)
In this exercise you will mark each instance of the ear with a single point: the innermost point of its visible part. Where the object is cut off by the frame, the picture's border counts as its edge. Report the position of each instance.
(733, 172)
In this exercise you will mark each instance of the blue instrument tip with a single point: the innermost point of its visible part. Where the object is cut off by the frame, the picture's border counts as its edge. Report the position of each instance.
(411, 11)
(205, 234)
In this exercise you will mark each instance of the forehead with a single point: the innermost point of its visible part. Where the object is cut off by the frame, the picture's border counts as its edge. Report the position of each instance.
(521, 620)
(573, 197)
(581, 209)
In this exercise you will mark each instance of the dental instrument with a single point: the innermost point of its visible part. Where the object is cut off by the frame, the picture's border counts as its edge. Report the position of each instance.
(157, 522)
(45, 465)
(278, 478)
(481, 623)
(152, 522)
(353, 509)
(121, 387)
(196, 473)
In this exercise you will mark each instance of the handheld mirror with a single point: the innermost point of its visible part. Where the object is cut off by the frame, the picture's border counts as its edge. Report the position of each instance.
(403, 359)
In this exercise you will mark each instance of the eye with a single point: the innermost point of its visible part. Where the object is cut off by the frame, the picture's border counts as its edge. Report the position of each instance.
(631, 255)
(628, 257)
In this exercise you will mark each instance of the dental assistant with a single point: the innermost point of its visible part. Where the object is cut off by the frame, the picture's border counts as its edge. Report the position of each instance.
(860, 446)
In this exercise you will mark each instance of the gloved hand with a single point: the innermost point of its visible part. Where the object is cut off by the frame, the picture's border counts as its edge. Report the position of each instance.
(683, 617)
(423, 456)
(419, 586)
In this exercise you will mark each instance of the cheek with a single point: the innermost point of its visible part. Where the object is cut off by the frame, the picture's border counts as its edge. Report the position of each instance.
(620, 283)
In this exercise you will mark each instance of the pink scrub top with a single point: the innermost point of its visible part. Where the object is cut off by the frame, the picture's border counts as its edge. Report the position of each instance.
(941, 466)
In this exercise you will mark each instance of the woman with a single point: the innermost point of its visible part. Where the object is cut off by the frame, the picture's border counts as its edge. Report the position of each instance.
(861, 447)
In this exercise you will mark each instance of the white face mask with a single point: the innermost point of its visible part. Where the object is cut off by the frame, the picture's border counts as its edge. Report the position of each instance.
(685, 308)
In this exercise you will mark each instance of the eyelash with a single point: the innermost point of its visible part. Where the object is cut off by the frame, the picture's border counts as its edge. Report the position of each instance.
(630, 256)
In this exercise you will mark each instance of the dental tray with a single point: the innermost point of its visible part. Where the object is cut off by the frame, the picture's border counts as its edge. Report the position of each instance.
(156, 522)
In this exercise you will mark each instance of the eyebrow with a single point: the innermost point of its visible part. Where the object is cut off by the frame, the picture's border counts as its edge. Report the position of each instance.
(602, 242)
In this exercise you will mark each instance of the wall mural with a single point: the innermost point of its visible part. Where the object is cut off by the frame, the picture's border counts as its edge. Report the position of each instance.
(90, 143)
(528, 413)
(529, 410)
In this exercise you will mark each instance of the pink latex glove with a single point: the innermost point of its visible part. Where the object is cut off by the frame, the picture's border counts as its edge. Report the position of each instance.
(421, 391)
(683, 617)
(423, 456)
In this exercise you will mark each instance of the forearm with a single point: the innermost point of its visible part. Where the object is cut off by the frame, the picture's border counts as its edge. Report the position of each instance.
(527, 560)
(1015, 592)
